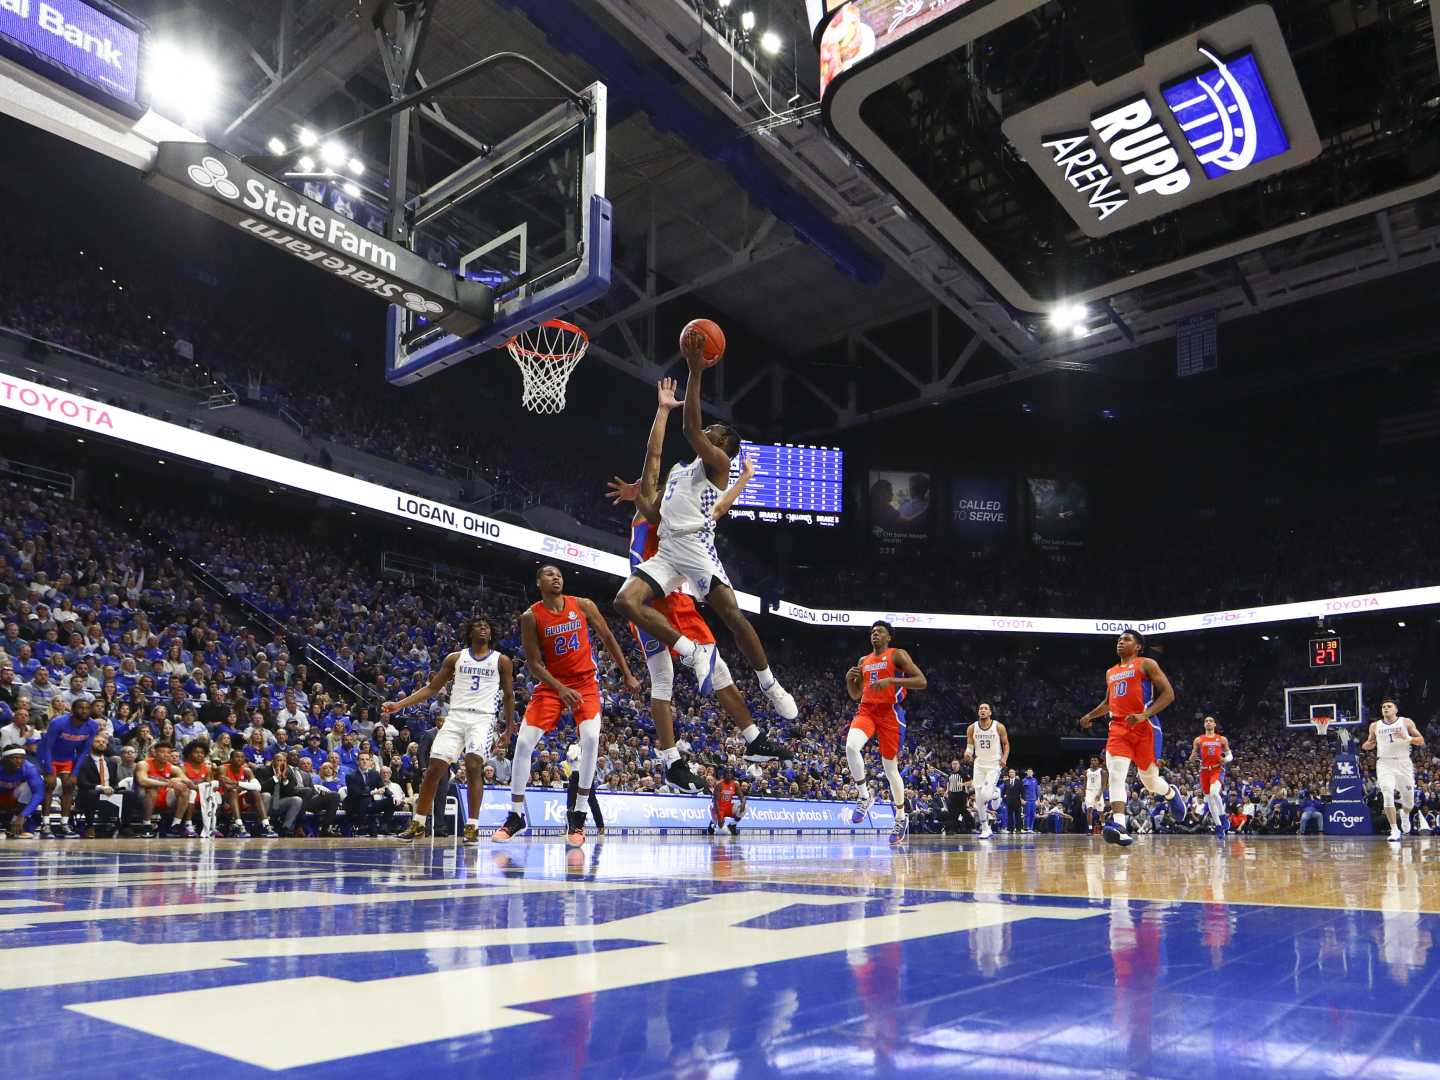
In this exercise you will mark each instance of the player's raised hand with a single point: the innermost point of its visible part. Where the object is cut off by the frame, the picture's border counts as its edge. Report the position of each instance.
(665, 390)
(747, 468)
(692, 350)
(388, 708)
(622, 491)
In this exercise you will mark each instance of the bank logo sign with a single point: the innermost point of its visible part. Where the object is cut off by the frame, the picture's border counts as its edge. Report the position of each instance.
(1227, 116)
(1202, 116)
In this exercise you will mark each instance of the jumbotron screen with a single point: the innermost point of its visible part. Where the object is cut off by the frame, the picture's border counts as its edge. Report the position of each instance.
(793, 485)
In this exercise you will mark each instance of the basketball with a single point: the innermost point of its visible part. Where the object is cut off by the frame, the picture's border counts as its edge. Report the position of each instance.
(714, 338)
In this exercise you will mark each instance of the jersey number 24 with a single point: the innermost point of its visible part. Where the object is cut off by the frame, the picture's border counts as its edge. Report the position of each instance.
(568, 644)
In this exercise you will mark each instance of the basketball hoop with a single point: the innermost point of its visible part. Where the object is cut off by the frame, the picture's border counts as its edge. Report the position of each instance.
(1322, 725)
(547, 354)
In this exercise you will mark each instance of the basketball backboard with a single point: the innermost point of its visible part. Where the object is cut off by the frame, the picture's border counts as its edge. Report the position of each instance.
(1342, 703)
(529, 218)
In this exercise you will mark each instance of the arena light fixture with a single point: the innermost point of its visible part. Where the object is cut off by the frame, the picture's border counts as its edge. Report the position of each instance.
(1066, 317)
(276, 146)
(357, 166)
(724, 4)
(770, 42)
(351, 189)
(334, 154)
(307, 137)
(747, 21)
(306, 163)
(182, 82)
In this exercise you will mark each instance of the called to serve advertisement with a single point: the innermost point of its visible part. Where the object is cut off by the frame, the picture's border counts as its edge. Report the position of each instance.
(981, 510)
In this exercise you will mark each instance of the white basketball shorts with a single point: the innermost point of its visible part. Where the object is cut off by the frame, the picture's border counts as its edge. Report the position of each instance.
(691, 559)
(464, 733)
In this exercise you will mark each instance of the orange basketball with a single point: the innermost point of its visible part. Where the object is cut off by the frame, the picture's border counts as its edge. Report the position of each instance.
(713, 335)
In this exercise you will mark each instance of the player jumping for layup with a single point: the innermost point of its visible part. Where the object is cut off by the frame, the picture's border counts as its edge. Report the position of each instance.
(1391, 738)
(686, 552)
(680, 611)
(879, 683)
(987, 744)
(1212, 751)
(1131, 699)
(556, 633)
(480, 679)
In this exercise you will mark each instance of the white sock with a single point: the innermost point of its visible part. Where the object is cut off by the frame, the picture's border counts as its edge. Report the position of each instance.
(669, 756)
(683, 646)
(421, 818)
(750, 734)
(864, 790)
(766, 679)
(1119, 819)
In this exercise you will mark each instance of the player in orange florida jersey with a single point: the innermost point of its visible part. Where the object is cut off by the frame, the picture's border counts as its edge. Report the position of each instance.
(1212, 751)
(680, 611)
(1136, 690)
(556, 634)
(879, 683)
(723, 798)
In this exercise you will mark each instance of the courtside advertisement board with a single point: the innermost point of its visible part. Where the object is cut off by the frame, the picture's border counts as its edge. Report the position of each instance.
(633, 810)
(97, 418)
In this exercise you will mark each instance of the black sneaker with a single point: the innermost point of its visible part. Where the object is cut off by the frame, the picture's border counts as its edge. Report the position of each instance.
(763, 749)
(60, 830)
(734, 829)
(681, 776)
(514, 824)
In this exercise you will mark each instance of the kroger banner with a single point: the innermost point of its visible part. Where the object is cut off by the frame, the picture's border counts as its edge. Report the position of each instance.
(98, 418)
(633, 810)
(82, 45)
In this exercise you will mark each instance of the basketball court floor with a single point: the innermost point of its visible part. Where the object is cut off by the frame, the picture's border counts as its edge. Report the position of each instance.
(740, 957)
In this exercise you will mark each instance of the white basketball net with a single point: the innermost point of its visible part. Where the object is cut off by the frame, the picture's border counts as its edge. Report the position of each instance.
(547, 354)
(1322, 726)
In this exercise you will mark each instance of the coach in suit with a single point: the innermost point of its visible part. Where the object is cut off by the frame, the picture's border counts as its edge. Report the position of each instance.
(367, 801)
(284, 792)
(96, 777)
(1013, 792)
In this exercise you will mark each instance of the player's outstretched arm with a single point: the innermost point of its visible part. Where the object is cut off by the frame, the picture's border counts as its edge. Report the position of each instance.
(735, 490)
(692, 348)
(437, 683)
(607, 638)
(647, 499)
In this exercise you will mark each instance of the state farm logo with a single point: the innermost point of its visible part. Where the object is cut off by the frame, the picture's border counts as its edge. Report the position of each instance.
(211, 173)
(418, 304)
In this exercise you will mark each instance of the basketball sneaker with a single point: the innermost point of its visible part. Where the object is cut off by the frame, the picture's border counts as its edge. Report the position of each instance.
(414, 831)
(681, 776)
(984, 833)
(1116, 834)
(861, 809)
(1404, 819)
(782, 700)
(702, 663)
(900, 831)
(514, 825)
(764, 749)
(1395, 836)
(734, 828)
(575, 834)
(268, 831)
(1176, 802)
(472, 833)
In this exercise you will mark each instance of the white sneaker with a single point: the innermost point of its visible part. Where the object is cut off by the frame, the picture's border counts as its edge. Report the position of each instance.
(702, 663)
(984, 833)
(862, 808)
(783, 700)
(1405, 824)
(1395, 836)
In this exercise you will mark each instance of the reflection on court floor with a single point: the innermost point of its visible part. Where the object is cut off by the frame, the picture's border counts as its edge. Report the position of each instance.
(661, 956)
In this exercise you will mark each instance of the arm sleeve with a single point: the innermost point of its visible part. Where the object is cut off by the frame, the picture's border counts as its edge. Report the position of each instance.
(46, 750)
(36, 784)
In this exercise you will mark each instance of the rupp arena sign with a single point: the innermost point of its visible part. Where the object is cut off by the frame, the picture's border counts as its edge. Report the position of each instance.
(225, 188)
(1196, 120)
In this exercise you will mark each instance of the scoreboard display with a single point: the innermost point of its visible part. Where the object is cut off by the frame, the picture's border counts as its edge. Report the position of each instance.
(1325, 652)
(795, 485)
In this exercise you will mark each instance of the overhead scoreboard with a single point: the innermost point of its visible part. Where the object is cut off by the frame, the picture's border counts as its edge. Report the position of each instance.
(793, 485)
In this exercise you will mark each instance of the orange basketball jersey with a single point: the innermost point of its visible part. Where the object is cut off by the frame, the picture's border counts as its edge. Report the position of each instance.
(564, 640)
(880, 666)
(1129, 689)
(1212, 750)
